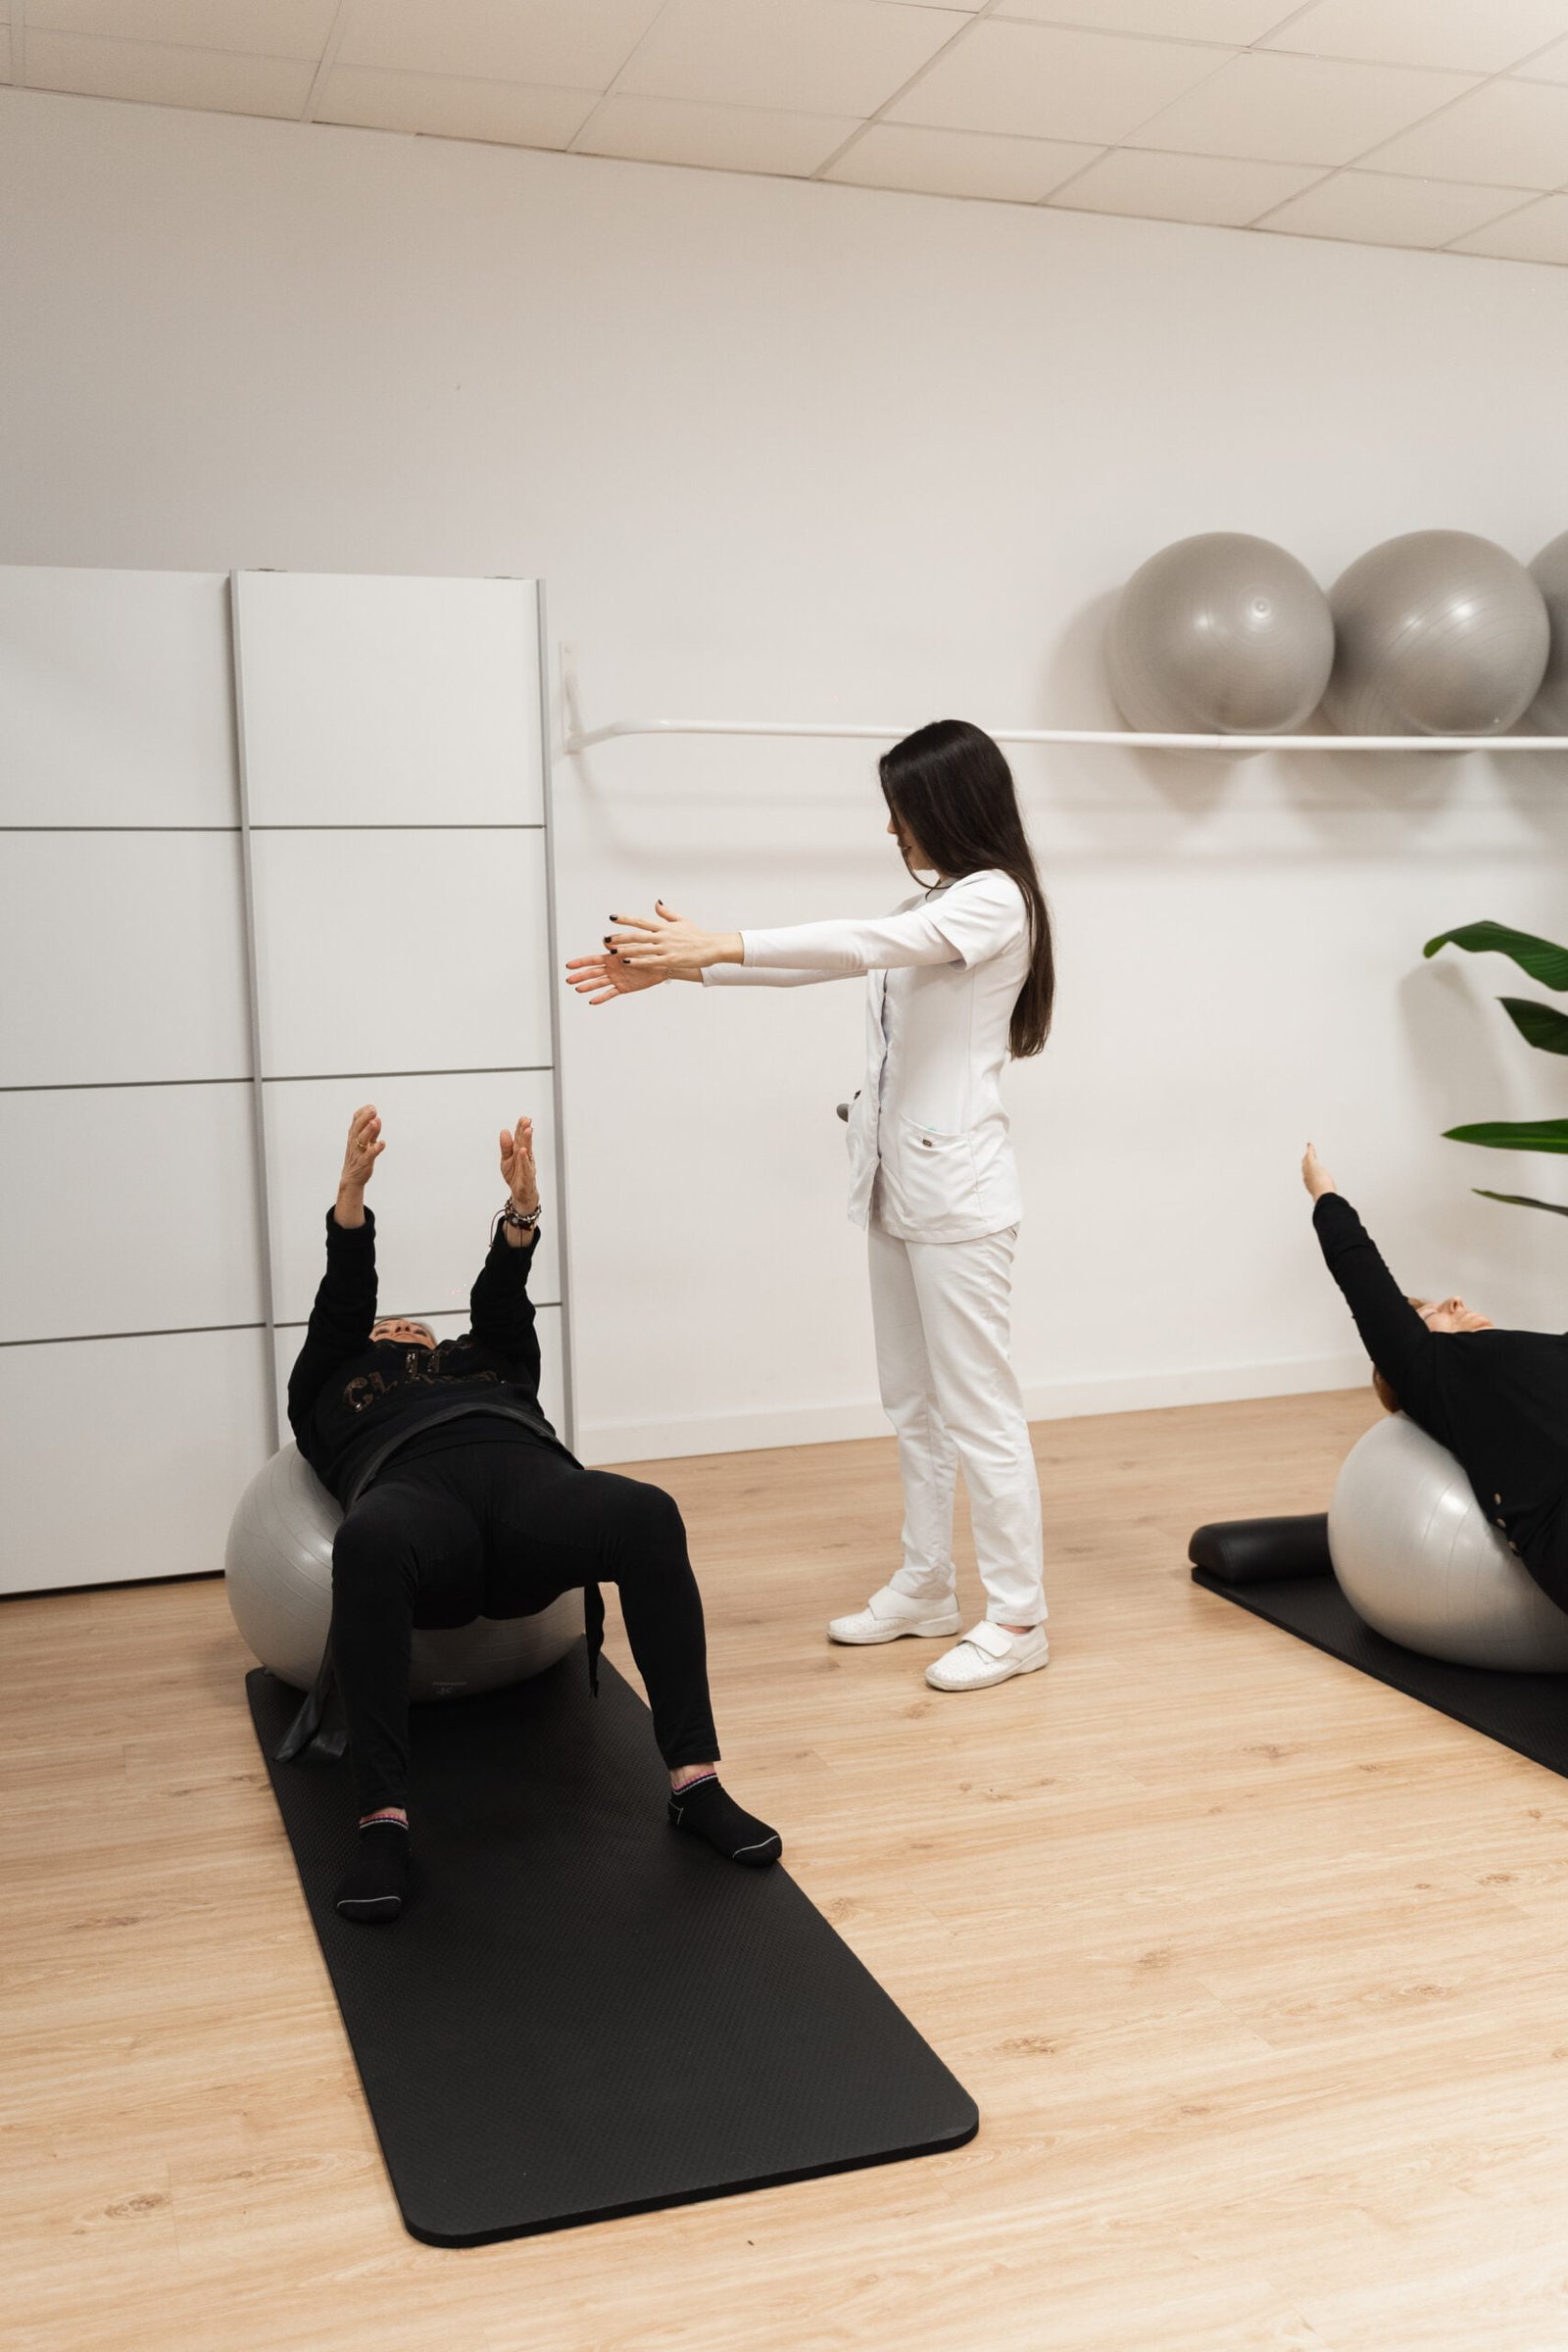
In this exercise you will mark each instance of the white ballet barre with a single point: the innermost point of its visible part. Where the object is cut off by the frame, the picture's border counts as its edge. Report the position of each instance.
(582, 739)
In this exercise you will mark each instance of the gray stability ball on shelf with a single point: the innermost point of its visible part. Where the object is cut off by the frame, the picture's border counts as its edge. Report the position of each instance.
(1550, 711)
(1419, 1561)
(1436, 633)
(1222, 634)
(277, 1572)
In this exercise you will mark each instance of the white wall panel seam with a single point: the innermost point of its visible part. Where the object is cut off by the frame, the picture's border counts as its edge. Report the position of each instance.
(156, 1331)
(253, 1001)
(89, 828)
(568, 1384)
(102, 1085)
(110, 1086)
(461, 825)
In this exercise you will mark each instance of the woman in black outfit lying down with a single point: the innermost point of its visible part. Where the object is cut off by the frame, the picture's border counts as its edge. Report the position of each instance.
(1497, 1400)
(459, 1502)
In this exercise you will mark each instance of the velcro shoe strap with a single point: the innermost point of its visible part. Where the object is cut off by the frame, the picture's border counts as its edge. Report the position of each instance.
(887, 1605)
(993, 1639)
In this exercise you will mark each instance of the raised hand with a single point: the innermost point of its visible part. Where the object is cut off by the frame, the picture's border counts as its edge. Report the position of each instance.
(518, 1164)
(363, 1150)
(1314, 1175)
(360, 1155)
(665, 942)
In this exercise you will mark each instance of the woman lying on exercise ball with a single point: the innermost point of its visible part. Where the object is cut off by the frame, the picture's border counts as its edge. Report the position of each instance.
(1497, 1400)
(459, 1502)
(960, 977)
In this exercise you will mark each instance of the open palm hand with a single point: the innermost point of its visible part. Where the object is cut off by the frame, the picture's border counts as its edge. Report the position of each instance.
(607, 975)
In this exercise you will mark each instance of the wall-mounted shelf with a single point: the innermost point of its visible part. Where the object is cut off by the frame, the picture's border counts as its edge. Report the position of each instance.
(1091, 738)
(581, 738)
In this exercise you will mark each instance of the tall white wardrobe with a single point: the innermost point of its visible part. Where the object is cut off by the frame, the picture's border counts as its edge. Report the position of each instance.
(272, 844)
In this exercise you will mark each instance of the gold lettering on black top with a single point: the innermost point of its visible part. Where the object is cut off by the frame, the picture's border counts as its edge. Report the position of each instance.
(424, 1367)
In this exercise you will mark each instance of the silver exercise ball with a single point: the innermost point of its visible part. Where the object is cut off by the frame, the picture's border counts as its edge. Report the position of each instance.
(1550, 711)
(1222, 634)
(1419, 1561)
(277, 1572)
(1436, 633)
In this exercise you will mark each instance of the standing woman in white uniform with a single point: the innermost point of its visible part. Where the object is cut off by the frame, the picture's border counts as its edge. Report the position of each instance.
(960, 977)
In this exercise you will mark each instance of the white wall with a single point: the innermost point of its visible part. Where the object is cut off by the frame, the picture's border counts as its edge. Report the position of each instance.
(782, 449)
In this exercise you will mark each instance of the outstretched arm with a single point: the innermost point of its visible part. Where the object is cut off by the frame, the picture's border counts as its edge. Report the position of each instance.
(817, 950)
(344, 1309)
(979, 916)
(501, 1312)
(1394, 1335)
(607, 974)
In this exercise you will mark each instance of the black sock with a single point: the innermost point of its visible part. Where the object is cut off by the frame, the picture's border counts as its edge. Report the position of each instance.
(377, 1885)
(704, 1810)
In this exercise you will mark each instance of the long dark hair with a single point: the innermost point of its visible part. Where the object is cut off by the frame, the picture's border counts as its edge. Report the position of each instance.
(949, 788)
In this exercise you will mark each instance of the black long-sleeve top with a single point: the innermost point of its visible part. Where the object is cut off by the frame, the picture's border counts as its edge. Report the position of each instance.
(351, 1405)
(1497, 1400)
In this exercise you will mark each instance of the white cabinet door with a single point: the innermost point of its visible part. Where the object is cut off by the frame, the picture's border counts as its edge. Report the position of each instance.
(123, 1458)
(121, 958)
(400, 951)
(129, 1209)
(389, 702)
(116, 694)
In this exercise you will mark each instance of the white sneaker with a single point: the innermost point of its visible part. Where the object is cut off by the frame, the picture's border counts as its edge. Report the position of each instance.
(888, 1614)
(987, 1655)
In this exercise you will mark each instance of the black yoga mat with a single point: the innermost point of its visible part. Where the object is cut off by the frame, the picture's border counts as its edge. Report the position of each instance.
(581, 2012)
(1527, 1712)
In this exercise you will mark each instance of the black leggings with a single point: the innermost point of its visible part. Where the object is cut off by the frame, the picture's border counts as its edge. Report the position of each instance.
(500, 1530)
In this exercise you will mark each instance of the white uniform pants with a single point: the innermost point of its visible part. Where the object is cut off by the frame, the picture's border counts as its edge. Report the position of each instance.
(941, 1312)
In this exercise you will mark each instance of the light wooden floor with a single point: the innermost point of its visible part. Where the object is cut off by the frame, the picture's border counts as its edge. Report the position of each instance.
(1255, 1969)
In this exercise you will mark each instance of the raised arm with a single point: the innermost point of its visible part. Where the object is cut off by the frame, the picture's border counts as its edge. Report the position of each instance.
(501, 1312)
(1394, 1336)
(344, 1309)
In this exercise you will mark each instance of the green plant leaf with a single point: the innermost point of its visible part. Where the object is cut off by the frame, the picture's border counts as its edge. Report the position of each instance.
(1514, 1134)
(1539, 957)
(1520, 1200)
(1540, 1025)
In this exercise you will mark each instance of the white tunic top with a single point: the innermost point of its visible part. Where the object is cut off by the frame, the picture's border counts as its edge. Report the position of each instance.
(928, 1136)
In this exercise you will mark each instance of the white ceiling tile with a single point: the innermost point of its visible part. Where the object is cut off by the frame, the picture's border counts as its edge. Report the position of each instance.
(958, 163)
(1513, 133)
(248, 27)
(833, 57)
(1216, 190)
(1051, 82)
(1550, 66)
(564, 44)
(1297, 110)
(1369, 208)
(1538, 233)
(162, 75)
(1462, 35)
(1232, 23)
(724, 138)
(451, 105)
